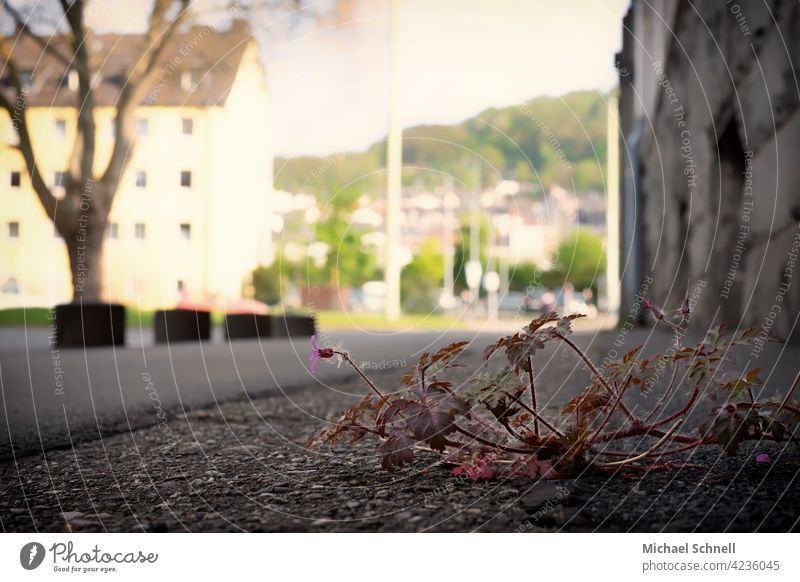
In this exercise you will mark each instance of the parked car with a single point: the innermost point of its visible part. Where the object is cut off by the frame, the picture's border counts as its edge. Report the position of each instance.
(512, 301)
(370, 297)
(567, 302)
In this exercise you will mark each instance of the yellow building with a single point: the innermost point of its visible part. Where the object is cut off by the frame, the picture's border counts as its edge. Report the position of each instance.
(189, 218)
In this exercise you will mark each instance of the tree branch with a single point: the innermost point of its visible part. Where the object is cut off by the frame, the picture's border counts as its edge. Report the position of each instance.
(23, 28)
(83, 150)
(17, 111)
(158, 36)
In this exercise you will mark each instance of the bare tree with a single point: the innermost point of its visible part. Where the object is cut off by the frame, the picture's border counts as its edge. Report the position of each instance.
(81, 216)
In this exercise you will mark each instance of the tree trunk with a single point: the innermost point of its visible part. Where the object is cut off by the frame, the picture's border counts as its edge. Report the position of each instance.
(83, 226)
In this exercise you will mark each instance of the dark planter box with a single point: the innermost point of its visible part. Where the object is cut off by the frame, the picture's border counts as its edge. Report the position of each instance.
(293, 326)
(181, 325)
(247, 325)
(90, 324)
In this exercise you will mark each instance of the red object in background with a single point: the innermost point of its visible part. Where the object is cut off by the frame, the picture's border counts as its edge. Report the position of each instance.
(237, 306)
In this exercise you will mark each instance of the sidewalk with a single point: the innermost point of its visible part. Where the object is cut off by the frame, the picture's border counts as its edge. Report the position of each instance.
(242, 465)
(211, 437)
(52, 398)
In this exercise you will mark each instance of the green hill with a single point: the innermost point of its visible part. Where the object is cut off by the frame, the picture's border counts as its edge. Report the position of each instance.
(545, 141)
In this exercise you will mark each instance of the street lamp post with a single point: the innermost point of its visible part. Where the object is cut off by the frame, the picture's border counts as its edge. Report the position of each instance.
(491, 282)
(447, 300)
(394, 167)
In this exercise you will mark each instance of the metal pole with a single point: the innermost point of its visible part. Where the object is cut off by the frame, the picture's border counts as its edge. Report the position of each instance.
(475, 236)
(447, 238)
(474, 228)
(394, 163)
(613, 248)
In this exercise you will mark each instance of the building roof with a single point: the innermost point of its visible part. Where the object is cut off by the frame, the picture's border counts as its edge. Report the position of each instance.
(198, 67)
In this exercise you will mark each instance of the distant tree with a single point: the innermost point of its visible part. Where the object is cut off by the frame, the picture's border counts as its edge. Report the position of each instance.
(348, 263)
(421, 279)
(268, 283)
(546, 139)
(82, 224)
(523, 275)
(581, 259)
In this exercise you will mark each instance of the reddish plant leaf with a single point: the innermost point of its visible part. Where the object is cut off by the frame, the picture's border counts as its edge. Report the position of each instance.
(482, 469)
(533, 468)
(397, 450)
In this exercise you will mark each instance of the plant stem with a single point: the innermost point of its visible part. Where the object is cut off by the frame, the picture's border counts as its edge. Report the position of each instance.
(533, 397)
(788, 395)
(682, 411)
(536, 415)
(613, 409)
(691, 445)
(484, 441)
(640, 430)
(596, 373)
(663, 398)
(649, 451)
(347, 359)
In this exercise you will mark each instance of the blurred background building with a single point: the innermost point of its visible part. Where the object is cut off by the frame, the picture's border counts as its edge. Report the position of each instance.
(187, 224)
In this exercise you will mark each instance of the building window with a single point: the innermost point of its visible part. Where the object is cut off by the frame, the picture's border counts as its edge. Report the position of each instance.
(141, 179)
(188, 126)
(186, 179)
(13, 230)
(11, 286)
(186, 231)
(142, 127)
(189, 80)
(61, 128)
(139, 230)
(113, 231)
(11, 135)
(72, 80)
(16, 179)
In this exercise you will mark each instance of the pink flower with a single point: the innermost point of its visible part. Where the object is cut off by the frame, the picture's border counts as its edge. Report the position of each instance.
(762, 458)
(317, 354)
(685, 304)
(649, 305)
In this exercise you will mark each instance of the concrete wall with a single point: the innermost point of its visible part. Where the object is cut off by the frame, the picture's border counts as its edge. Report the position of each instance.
(710, 144)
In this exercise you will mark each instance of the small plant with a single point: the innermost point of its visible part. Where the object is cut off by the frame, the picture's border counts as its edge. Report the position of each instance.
(493, 425)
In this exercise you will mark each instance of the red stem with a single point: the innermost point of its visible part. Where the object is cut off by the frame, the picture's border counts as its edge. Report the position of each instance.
(663, 398)
(682, 411)
(641, 430)
(533, 397)
(613, 409)
(687, 447)
(596, 373)
(484, 441)
(535, 414)
(347, 359)
(788, 395)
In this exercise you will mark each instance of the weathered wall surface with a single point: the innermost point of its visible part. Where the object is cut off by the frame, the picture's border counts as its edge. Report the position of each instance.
(715, 188)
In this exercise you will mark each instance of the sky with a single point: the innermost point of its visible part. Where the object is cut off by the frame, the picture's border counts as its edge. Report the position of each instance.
(330, 86)
(329, 83)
